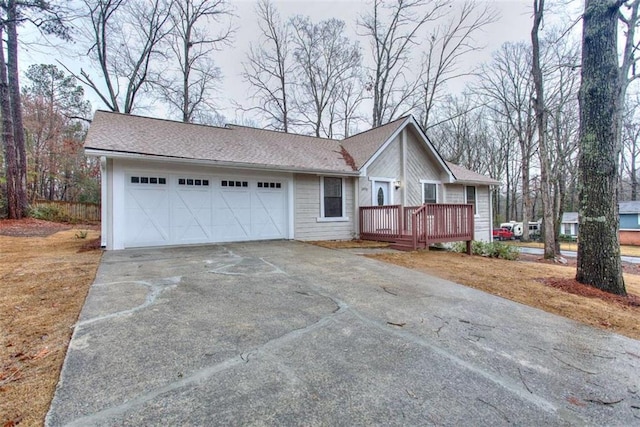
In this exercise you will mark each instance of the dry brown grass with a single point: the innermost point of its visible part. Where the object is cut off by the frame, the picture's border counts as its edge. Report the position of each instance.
(43, 284)
(527, 282)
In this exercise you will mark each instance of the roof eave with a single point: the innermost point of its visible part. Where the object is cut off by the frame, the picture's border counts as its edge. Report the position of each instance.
(97, 152)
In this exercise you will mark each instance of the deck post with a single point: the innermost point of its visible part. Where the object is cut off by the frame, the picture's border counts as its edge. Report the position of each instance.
(469, 251)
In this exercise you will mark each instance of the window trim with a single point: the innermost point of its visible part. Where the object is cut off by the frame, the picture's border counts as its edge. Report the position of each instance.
(475, 193)
(342, 218)
(430, 181)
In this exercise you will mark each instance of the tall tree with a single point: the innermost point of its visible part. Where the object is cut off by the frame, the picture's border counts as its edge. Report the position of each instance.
(599, 262)
(326, 61)
(393, 29)
(549, 237)
(47, 17)
(124, 38)
(191, 44)
(446, 45)
(269, 67)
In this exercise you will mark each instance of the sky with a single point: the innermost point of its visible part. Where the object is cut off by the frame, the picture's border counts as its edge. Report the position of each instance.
(513, 24)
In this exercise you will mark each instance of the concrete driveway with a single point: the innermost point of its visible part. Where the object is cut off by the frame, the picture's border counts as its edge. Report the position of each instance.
(285, 333)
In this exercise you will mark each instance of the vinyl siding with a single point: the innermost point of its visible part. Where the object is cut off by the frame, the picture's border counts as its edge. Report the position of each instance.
(386, 165)
(307, 211)
(482, 221)
(420, 166)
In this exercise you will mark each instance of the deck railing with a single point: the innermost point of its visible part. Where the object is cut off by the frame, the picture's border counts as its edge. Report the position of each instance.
(425, 224)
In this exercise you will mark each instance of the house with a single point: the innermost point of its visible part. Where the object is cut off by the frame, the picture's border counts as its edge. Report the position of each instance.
(171, 183)
(629, 223)
(569, 224)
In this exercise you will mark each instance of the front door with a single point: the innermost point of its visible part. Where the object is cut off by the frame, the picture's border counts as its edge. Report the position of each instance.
(381, 193)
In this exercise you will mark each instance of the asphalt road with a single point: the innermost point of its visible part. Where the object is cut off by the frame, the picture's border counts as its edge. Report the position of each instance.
(573, 254)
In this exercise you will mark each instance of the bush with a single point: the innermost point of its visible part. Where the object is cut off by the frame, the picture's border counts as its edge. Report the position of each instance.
(47, 213)
(488, 249)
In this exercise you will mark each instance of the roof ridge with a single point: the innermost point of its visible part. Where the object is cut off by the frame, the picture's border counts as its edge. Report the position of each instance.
(283, 133)
(377, 127)
(117, 113)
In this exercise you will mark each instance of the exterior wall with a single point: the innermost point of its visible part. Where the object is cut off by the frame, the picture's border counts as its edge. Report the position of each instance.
(421, 165)
(455, 193)
(629, 222)
(630, 237)
(569, 229)
(387, 165)
(408, 166)
(307, 211)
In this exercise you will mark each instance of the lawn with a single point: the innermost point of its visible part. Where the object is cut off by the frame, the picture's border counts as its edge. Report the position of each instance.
(46, 270)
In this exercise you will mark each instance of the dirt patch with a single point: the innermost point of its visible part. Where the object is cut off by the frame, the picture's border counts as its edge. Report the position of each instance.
(43, 284)
(29, 227)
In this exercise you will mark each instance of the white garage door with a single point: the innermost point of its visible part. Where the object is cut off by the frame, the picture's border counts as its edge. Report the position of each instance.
(182, 209)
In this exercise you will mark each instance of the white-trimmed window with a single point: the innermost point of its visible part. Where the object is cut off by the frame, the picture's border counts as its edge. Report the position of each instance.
(471, 198)
(429, 191)
(332, 200)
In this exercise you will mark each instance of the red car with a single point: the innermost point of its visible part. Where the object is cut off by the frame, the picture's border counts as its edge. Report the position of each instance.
(502, 234)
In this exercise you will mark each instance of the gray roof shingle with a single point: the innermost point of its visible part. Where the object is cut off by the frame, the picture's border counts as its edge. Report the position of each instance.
(233, 144)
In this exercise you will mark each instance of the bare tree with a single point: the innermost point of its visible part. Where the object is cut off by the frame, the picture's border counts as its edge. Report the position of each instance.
(506, 80)
(326, 60)
(446, 45)
(191, 43)
(124, 39)
(599, 263)
(269, 67)
(630, 154)
(393, 30)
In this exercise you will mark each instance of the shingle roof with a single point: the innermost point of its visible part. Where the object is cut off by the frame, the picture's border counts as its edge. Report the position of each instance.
(465, 176)
(630, 207)
(128, 134)
(233, 144)
(365, 144)
(569, 217)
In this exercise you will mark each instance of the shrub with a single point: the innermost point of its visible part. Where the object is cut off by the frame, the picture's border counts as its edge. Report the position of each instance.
(488, 249)
(47, 213)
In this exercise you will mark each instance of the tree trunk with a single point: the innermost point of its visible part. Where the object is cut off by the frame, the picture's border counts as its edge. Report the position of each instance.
(546, 188)
(16, 110)
(599, 262)
(10, 157)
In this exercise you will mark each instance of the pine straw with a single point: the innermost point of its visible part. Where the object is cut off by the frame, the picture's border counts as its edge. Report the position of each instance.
(43, 284)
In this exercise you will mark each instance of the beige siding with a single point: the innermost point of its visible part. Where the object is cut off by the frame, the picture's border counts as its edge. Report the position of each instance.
(421, 165)
(456, 194)
(386, 165)
(307, 211)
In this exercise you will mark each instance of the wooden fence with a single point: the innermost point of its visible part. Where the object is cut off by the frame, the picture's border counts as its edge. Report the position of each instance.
(71, 211)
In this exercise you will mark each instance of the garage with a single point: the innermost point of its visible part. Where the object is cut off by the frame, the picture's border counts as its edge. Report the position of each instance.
(183, 208)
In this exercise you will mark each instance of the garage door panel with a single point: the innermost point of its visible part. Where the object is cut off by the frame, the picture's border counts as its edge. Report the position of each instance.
(268, 214)
(147, 212)
(191, 215)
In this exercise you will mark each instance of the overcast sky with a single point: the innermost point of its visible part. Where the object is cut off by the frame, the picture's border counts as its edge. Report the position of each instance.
(514, 24)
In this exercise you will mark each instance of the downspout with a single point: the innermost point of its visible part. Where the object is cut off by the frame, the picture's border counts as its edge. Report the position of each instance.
(356, 207)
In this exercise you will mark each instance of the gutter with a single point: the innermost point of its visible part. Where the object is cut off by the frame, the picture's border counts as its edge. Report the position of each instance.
(223, 164)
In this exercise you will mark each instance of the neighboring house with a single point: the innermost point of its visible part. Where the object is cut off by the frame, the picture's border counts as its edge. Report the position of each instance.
(569, 224)
(629, 223)
(171, 183)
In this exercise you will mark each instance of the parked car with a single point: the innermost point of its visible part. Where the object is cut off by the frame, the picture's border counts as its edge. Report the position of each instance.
(502, 233)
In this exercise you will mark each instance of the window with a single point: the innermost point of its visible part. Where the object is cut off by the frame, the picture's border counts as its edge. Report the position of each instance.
(148, 180)
(429, 192)
(269, 185)
(332, 197)
(193, 182)
(470, 194)
(226, 183)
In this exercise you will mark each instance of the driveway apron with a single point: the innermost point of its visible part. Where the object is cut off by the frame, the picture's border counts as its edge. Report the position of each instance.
(286, 333)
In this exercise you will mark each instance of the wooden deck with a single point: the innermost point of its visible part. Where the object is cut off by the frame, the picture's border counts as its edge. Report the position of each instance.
(416, 227)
